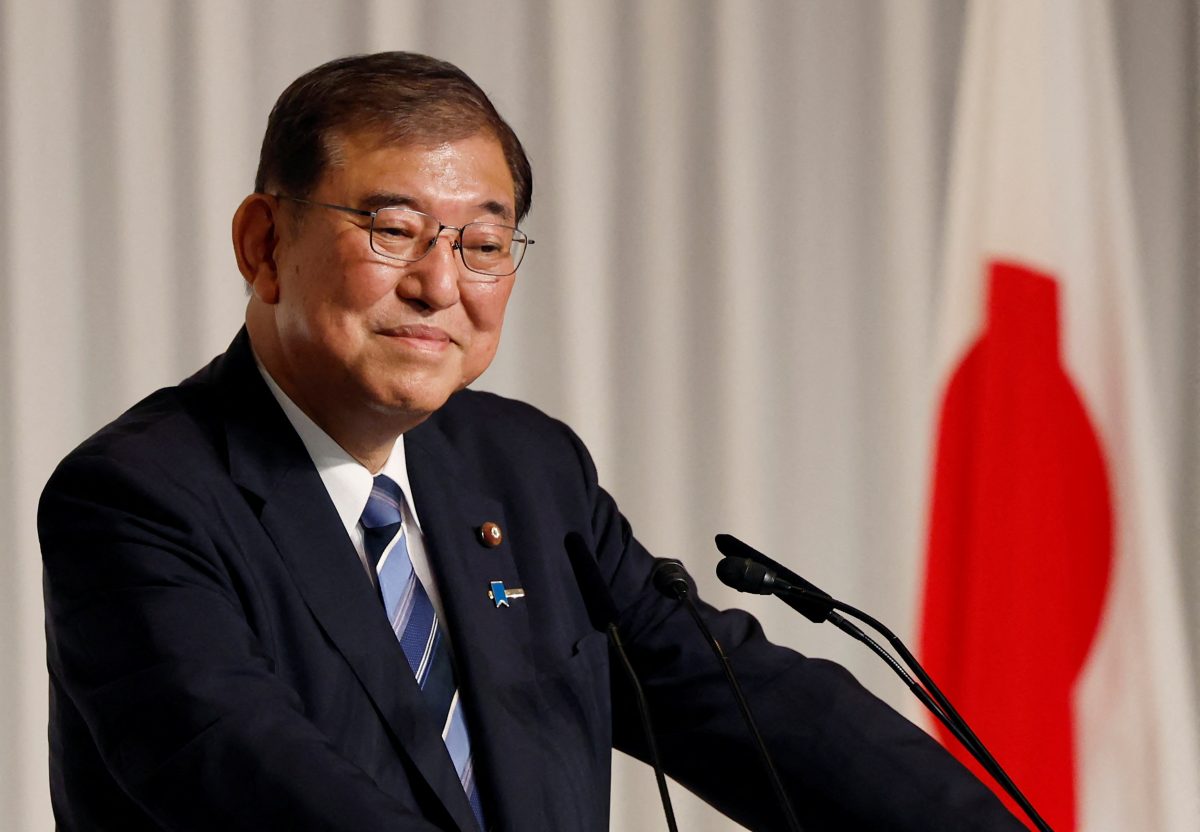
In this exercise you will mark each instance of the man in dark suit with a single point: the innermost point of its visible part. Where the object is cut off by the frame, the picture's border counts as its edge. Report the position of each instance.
(320, 585)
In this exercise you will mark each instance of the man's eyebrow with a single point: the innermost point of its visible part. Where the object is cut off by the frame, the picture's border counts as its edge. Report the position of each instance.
(388, 199)
(499, 209)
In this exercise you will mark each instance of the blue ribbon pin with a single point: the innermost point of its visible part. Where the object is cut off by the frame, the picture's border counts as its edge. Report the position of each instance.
(501, 596)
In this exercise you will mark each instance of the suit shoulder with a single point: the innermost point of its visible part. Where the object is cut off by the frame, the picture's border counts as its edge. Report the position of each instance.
(490, 431)
(165, 435)
(474, 411)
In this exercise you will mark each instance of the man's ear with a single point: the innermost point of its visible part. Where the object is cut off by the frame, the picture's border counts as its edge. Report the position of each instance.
(255, 236)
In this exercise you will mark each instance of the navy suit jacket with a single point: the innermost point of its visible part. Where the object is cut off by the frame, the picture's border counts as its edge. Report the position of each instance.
(219, 659)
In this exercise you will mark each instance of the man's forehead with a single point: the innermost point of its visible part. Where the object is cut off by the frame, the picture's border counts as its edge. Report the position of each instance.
(346, 150)
(340, 144)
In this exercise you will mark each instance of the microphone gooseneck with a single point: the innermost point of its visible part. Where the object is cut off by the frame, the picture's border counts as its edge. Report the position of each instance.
(602, 613)
(670, 579)
(752, 571)
(744, 575)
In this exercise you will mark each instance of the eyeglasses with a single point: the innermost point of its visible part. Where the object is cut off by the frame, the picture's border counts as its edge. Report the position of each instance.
(487, 249)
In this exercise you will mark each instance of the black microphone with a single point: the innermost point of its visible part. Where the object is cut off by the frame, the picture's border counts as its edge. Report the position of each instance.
(602, 613)
(814, 606)
(670, 579)
(745, 575)
(748, 570)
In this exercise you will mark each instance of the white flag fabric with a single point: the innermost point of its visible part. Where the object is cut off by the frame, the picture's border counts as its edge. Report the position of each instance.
(1052, 613)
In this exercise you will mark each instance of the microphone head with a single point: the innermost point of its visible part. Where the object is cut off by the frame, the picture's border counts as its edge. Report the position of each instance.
(670, 578)
(745, 575)
(815, 604)
(597, 600)
(731, 547)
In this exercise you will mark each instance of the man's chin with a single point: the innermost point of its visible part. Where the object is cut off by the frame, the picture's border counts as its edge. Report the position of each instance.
(409, 403)
(415, 393)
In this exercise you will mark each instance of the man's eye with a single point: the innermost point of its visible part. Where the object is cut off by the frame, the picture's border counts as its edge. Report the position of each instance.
(486, 244)
(395, 231)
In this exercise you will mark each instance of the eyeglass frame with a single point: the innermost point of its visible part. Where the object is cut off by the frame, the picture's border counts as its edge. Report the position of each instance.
(454, 244)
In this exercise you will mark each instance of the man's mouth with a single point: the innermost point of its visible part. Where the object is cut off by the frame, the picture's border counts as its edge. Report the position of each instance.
(421, 336)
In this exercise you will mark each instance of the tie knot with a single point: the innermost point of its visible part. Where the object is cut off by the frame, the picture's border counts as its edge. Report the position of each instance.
(383, 506)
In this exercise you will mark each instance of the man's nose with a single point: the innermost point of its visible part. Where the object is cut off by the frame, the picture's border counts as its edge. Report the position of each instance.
(438, 272)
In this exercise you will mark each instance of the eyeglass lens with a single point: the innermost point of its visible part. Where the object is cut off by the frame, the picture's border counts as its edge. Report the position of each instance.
(487, 248)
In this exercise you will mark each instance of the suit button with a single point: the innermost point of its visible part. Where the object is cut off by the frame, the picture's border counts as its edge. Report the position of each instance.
(490, 535)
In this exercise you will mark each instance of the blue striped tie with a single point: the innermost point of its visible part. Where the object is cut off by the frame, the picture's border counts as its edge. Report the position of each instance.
(415, 623)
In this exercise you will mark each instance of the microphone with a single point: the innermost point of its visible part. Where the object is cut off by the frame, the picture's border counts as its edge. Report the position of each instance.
(602, 613)
(814, 605)
(670, 579)
(748, 570)
(745, 575)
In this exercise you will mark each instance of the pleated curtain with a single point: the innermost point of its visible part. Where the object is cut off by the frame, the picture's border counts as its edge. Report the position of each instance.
(738, 209)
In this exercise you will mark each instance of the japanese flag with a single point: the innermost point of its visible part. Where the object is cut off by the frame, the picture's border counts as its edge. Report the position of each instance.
(1051, 612)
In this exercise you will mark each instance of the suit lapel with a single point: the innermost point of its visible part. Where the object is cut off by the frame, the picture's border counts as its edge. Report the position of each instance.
(268, 459)
(491, 644)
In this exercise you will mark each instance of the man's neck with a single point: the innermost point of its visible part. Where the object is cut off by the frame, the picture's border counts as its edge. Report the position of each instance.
(365, 435)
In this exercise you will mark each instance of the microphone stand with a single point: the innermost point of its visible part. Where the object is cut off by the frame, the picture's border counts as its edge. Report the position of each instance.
(602, 613)
(614, 636)
(754, 572)
(670, 579)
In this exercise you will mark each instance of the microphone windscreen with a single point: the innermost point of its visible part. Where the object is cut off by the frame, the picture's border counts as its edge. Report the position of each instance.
(601, 609)
(814, 609)
(670, 578)
(731, 547)
(744, 575)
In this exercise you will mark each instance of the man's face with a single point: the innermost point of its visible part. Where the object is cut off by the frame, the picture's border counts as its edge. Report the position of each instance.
(358, 330)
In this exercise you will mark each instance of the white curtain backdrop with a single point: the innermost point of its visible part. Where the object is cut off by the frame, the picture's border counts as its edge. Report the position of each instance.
(738, 209)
